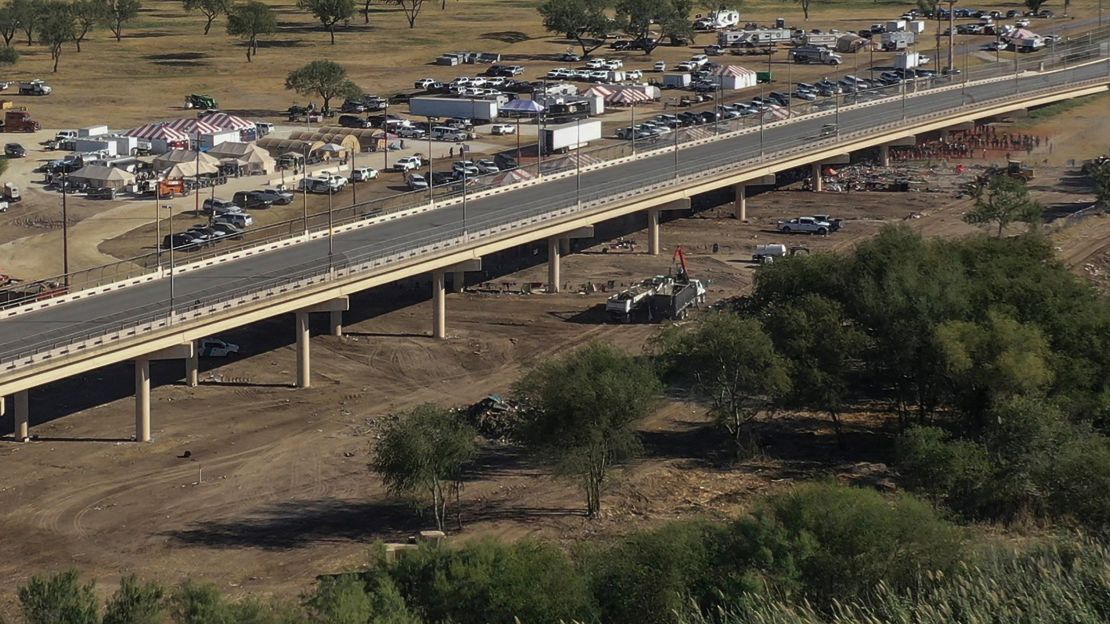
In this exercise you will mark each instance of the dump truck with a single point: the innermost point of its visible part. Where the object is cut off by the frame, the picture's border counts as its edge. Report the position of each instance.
(20, 121)
(674, 299)
(203, 102)
(35, 87)
(632, 303)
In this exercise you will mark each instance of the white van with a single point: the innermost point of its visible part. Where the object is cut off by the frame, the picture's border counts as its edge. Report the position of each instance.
(447, 133)
(240, 220)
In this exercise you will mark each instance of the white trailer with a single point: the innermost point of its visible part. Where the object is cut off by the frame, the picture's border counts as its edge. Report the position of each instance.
(478, 110)
(897, 40)
(753, 38)
(725, 18)
(896, 26)
(917, 26)
(92, 131)
(569, 135)
(909, 60)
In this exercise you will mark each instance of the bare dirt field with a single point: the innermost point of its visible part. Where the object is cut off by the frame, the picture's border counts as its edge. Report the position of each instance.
(276, 488)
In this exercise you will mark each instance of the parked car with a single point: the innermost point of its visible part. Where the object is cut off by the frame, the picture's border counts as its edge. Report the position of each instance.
(407, 162)
(465, 167)
(280, 198)
(101, 193)
(216, 348)
(424, 83)
(411, 132)
(240, 220)
(228, 230)
(249, 200)
(353, 121)
(364, 174)
(804, 225)
(14, 150)
(183, 241)
(834, 224)
(502, 129)
(569, 57)
(214, 206)
(487, 166)
(416, 182)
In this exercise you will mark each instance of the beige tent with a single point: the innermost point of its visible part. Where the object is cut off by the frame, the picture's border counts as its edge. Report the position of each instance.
(277, 147)
(250, 156)
(103, 177)
(189, 170)
(354, 139)
(173, 157)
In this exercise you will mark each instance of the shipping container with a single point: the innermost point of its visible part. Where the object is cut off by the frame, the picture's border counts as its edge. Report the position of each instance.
(482, 110)
(569, 135)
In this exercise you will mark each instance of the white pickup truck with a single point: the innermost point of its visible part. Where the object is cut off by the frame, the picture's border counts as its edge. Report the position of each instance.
(804, 225)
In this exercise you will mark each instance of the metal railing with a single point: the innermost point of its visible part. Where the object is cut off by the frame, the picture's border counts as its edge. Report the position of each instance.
(420, 247)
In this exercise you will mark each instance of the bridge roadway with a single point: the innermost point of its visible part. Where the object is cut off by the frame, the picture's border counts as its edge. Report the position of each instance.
(39, 329)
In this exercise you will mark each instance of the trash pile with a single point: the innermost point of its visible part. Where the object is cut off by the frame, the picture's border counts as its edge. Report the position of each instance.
(899, 178)
(494, 417)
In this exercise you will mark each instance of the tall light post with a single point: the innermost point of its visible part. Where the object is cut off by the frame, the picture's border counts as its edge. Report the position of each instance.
(354, 195)
(173, 243)
(578, 161)
(633, 127)
(65, 234)
(304, 187)
(331, 231)
(158, 224)
(464, 176)
(196, 175)
(431, 165)
(951, 35)
(675, 133)
(385, 130)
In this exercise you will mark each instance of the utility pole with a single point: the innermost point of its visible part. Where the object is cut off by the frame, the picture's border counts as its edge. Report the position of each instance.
(65, 234)
(951, 35)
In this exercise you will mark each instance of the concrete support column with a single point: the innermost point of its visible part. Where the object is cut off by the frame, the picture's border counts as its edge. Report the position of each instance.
(3, 405)
(192, 369)
(884, 155)
(439, 306)
(553, 264)
(818, 183)
(740, 209)
(22, 416)
(142, 400)
(944, 134)
(304, 365)
(335, 323)
(653, 231)
(564, 246)
(458, 281)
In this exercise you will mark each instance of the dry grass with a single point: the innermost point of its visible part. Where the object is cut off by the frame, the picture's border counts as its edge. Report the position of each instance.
(164, 56)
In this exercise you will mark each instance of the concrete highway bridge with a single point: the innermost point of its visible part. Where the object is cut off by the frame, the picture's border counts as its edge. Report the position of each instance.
(163, 313)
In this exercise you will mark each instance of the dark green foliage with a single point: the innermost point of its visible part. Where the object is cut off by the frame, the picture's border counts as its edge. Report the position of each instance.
(489, 582)
(1004, 200)
(326, 79)
(136, 603)
(587, 21)
(581, 410)
(250, 20)
(1100, 178)
(349, 599)
(732, 364)
(58, 599)
(329, 12)
(423, 455)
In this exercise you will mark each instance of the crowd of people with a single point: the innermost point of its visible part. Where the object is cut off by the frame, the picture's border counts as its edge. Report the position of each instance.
(981, 142)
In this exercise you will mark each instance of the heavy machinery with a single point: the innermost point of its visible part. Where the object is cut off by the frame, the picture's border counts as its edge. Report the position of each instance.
(35, 87)
(1016, 169)
(629, 304)
(674, 298)
(20, 121)
(203, 102)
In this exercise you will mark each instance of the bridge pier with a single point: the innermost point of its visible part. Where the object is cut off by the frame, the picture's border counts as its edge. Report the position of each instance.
(653, 231)
(740, 207)
(884, 155)
(815, 175)
(553, 264)
(142, 400)
(335, 323)
(22, 416)
(192, 368)
(458, 281)
(564, 246)
(304, 364)
(439, 306)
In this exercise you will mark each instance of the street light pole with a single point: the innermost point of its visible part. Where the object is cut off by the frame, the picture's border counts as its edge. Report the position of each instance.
(465, 237)
(331, 232)
(578, 162)
(65, 234)
(304, 187)
(431, 165)
(633, 128)
(675, 153)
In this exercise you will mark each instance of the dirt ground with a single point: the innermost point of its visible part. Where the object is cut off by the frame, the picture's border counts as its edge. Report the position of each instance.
(276, 488)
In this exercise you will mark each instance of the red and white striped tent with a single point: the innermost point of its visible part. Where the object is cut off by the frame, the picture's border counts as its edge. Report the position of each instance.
(157, 131)
(627, 97)
(162, 138)
(246, 128)
(194, 126)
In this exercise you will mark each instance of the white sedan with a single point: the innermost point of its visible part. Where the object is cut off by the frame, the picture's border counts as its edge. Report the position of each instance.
(502, 129)
(487, 166)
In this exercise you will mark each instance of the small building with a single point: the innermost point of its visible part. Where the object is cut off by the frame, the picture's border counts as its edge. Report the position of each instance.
(248, 130)
(677, 81)
(202, 133)
(161, 138)
(99, 176)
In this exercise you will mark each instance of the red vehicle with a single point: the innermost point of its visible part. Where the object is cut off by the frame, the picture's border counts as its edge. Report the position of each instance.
(20, 121)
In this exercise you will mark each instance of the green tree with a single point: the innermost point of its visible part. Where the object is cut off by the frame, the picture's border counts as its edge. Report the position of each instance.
(58, 599)
(136, 603)
(851, 539)
(1100, 177)
(823, 349)
(586, 21)
(637, 17)
(340, 600)
(196, 603)
(948, 471)
(330, 12)
(87, 13)
(581, 412)
(484, 582)
(57, 28)
(249, 21)
(210, 9)
(993, 360)
(119, 12)
(1004, 200)
(732, 363)
(424, 454)
(9, 23)
(27, 14)
(326, 79)
(1035, 5)
(8, 56)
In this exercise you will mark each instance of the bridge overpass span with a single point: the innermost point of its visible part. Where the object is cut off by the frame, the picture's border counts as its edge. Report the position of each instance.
(163, 317)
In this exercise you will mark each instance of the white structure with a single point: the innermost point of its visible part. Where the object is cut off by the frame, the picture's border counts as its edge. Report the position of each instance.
(92, 131)
(733, 77)
(160, 137)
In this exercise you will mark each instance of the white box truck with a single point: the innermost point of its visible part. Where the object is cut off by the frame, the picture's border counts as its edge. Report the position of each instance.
(909, 60)
(478, 110)
(570, 135)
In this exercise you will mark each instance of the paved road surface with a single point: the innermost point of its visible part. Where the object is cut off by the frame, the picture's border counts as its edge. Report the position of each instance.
(38, 330)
